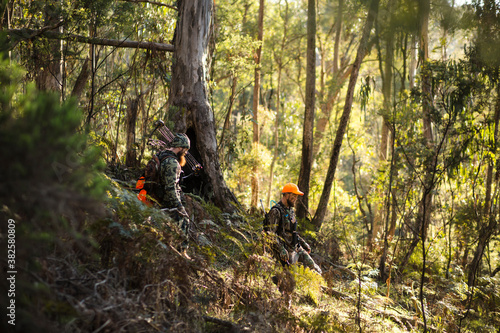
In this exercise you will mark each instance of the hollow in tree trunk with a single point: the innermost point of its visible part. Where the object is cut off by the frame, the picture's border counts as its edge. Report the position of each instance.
(188, 92)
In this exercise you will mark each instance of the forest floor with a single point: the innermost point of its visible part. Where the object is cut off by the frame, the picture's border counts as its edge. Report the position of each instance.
(128, 276)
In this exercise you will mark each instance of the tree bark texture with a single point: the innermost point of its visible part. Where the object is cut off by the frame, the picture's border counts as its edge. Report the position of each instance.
(308, 128)
(344, 119)
(188, 91)
(82, 80)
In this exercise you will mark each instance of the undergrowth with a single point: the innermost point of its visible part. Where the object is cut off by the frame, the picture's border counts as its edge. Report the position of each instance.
(92, 258)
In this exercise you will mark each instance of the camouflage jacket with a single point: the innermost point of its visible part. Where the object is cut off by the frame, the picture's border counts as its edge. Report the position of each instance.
(282, 221)
(170, 178)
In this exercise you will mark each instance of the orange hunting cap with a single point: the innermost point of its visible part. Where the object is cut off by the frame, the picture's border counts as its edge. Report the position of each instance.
(291, 188)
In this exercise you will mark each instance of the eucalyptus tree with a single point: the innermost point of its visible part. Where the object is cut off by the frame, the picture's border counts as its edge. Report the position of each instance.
(233, 63)
(363, 49)
(334, 71)
(114, 76)
(189, 95)
(256, 94)
(395, 44)
(279, 55)
(308, 125)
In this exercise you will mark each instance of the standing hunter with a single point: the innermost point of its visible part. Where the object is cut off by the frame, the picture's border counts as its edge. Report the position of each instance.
(173, 159)
(289, 246)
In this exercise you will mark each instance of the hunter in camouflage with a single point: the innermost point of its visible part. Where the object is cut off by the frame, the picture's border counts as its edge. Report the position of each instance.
(289, 246)
(171, 168)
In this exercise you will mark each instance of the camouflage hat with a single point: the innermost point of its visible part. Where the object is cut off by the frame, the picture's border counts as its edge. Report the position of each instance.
(180, 140)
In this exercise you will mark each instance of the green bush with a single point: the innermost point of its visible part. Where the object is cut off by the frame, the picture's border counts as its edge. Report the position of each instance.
(50, 186)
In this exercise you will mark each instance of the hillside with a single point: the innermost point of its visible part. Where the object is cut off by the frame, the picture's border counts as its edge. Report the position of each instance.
(124, 274)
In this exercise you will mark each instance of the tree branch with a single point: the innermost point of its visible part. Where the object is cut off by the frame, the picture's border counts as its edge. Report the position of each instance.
(227, 324)
(29, 34)
(153, 3)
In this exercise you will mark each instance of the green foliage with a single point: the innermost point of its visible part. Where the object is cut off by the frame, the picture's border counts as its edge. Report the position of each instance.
(366, 278)
(213, 211)
(321, 321)
(308, 283)
(51, 187)
(48, 155)
(436, 261)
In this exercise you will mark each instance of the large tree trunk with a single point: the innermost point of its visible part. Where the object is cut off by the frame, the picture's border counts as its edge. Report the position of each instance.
(344, 119)
(256, 95)
(188, 91)
(308, 129)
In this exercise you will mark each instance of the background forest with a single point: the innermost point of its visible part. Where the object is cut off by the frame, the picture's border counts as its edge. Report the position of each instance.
(385, 113)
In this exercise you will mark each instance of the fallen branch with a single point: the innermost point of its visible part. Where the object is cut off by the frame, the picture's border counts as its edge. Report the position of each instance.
(232, 327)
(30, 34)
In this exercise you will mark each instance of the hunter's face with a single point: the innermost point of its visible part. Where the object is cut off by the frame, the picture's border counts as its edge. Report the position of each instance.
(182, 152)
(291, 199)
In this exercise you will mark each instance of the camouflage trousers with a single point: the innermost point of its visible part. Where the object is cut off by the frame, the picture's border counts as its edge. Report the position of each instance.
(300, 255)
(181, 219)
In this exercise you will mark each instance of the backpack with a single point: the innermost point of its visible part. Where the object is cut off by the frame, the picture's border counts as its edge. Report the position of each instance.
(265, 222)
(149, 183)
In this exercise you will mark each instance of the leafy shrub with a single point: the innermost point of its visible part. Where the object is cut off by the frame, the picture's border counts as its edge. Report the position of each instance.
(51, 187)
(308, 283)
